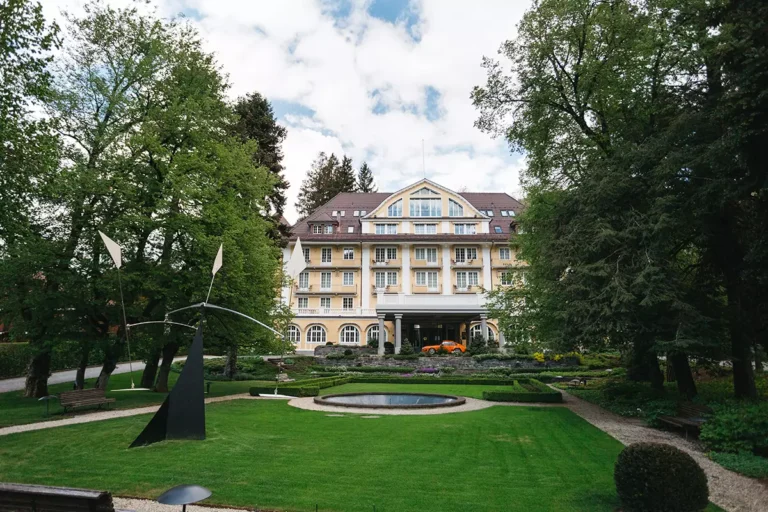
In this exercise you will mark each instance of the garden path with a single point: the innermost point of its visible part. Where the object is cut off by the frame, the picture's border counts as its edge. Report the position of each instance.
(728, 490)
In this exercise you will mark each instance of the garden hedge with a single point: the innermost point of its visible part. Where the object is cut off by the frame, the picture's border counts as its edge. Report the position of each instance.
(363, 369)
(289, 391)
(431, 380)
(535, 391)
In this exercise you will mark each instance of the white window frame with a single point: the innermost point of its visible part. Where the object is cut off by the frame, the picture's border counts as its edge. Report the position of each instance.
(303, 303)
(351, 229)
(316, 334)
(305, 250)
(326, 255)
(375, 328)
(503, 213)
(465, 229)
(478, 329)
(506, 278)
(380, 280)
(385, 229)
(349, 335)
(294, 334)
(325, 303)
(350, 281)
(322, 280)
(349, 253)
(329, 229)
(391, 278)
(395, 209)
(473, 278)
(505, 253)
(497, 229)
(347, 303)
(434, 209)
(425, 278)
(425, 229)
(318, 229)
(304, 281)
(455, 209)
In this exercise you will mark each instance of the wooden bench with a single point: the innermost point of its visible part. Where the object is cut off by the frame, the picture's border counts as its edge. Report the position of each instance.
(83, 398)
(690, 417)
(43, 498)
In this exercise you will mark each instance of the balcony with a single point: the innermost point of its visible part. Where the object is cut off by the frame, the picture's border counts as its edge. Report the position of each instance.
(390, 288)
(478, 263)
(423, 289)
(393, 263)
(425, 264)
(472, 288)
(316, 289)
(345, 312)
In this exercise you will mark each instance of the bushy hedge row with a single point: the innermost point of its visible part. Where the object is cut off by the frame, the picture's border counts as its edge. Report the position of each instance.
(289, 391)
(14, 357)
(535, 391)
(307, 387)
(513, 371)
(384, 379)
(363, 369)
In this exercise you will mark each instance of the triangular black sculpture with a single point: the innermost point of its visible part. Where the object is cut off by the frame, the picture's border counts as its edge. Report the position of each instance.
(182, 415)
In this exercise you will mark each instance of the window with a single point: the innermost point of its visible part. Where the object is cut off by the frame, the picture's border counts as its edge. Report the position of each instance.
(347, 302)
(420, 253)
(349, 279)
(362, 213)
(489, 213)
(503, 213)
(343, 213)
(504, 253)
(326, 254)
(395, 209)
(386, 229)
(316, 334)
(351, 229)
(317, 229)
(325, 302)
(325, 280)
(304, 281)
(373, 333)
(428, 254)
(384, 279)
(421, 207)
(511, 213)
(356, 213)
(464, 229)
(466, 279)
(464, 254)
(476, 331)
(306, 254)
(350, 334)
(329, 229)
(497, 229)
(303, 302)
(425, 229)
(385, 254)
(506, 278)
(335, 213)
(455, 209)
(294, 334)
(428, 279)
(424, 191)
(349, 253)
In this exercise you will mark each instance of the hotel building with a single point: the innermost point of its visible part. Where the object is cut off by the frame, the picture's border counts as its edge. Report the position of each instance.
(414, 264)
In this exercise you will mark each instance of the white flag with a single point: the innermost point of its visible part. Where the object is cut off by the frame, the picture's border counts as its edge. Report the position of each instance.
(296, 264)
(113, 248)
(218, 261)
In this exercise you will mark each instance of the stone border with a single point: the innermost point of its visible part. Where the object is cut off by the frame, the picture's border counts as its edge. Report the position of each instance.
(455, 401)
(470, 404)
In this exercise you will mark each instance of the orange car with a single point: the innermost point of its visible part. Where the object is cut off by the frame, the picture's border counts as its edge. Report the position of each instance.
(447, 345)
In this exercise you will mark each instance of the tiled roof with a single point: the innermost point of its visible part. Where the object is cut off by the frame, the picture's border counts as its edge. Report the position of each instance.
(351, 202)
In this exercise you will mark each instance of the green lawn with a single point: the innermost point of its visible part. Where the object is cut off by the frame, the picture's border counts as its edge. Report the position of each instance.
(17, 410)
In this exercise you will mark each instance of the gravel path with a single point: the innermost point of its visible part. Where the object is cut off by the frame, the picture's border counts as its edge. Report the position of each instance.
(153, 506)
(727, 489)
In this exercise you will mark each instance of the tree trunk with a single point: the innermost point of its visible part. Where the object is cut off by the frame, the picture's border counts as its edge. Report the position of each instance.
(758, 358)
(644, 363)
(150, 370)
(685, 383)
(111, 356)
(656, 377)
(38, 371)
(169, 352)
(230, 365)
(85, 352)
(743, 375)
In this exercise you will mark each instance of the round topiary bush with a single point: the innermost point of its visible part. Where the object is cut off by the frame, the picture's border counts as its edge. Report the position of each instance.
(652, 477)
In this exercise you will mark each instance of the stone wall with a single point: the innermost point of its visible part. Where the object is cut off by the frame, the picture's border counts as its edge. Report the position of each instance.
(458, 362)
(324, 350)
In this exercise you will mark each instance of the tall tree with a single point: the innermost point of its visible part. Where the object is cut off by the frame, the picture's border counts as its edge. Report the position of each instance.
(344, 177)
(365, 179)
(256, 121)
(319, 186)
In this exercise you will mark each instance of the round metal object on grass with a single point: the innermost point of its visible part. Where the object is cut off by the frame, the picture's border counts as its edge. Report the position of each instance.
(184, 495)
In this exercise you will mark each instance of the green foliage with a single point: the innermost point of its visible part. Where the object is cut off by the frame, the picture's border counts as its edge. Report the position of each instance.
(325, 178)
(406, 349)
(432, 380)
(654, 477)
(737, 427)
(363, 369)
(14, 357)
(528, 390)
(745, 463)
(600, 360)
(365, 182)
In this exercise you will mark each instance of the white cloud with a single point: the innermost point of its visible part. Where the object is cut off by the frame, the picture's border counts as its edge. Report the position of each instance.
(295, 51)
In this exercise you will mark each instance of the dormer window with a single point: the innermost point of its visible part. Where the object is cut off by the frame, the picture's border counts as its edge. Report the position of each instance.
(424, 191)
(356, 213)
(363, 213)
(335, 213)
(395, 209)
(328, 229)
(503, 213)
(455, 209)
(343, 212)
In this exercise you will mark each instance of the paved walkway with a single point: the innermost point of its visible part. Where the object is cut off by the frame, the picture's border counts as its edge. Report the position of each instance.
(727, 489)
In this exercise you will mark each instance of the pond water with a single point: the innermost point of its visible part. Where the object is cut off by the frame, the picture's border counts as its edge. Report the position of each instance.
(390, 400)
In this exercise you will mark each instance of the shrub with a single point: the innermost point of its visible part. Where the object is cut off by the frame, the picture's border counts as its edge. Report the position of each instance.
(389, 347)
(447, 370)
(406, 349)
(746, 463)
(328, 343)
(652, 477)
(348, 352)
(364, 369)
(737, 427)
(373, 342)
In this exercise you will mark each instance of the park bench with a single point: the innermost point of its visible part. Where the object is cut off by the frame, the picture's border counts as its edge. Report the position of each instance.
(83, 398)
(43, 498)
(690, 417)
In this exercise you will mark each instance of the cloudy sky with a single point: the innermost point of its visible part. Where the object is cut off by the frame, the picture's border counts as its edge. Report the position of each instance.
(368, 78)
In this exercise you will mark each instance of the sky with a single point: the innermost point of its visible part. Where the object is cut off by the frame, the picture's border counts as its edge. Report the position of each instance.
(377, 80)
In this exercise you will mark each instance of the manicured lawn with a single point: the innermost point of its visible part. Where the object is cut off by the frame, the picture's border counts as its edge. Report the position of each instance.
(271, 455)
(473, 391)
(17, 410)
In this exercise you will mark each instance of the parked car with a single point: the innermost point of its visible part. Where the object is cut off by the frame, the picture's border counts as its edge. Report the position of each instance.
(447, 345)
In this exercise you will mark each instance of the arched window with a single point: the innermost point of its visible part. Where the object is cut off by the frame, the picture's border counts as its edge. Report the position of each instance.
(373, 333)
(350, 334)
(395, 209)
(294, 334)
(316, 334)
(455, 209)
(476, 330)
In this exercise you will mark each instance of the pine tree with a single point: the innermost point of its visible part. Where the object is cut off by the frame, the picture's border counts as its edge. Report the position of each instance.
(344, 177)
(365, 179)
(318, 187)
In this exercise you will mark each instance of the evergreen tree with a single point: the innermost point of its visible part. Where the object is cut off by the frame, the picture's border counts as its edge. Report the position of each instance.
(344, 177)
(256, 121)
(365, 179)
(326, 178)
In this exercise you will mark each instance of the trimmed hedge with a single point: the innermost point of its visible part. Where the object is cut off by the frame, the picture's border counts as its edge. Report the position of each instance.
(289, 391)
(535, 392)
(308, 387)
(431, 380)
(363, 369)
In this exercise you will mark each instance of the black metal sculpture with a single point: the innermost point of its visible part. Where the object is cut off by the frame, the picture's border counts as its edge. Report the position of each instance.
(182, 415)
